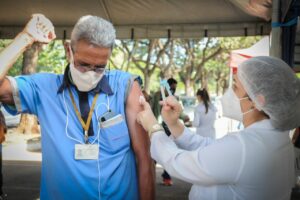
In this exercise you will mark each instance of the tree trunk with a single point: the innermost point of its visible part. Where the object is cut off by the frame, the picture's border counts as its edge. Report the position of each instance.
(147, 83)
(28, 123)
(218, 83)
(188, 87)
(224, 85)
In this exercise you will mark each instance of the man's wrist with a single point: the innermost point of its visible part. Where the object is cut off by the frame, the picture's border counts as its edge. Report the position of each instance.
(25, 39)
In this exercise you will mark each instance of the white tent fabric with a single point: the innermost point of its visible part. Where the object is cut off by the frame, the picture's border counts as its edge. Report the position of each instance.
(141, 18)
(261, 48)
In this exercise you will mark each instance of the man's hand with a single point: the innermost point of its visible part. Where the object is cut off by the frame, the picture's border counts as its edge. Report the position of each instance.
(40, 29)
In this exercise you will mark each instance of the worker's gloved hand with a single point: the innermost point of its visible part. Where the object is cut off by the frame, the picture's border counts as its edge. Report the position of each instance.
(171, 110)
(40, 29)
(146, 117)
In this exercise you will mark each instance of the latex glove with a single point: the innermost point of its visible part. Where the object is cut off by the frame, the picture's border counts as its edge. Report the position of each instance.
(40, 29)
(171, 110)
(146, 117)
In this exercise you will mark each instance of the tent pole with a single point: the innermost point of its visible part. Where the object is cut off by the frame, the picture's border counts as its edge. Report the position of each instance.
(275, 48)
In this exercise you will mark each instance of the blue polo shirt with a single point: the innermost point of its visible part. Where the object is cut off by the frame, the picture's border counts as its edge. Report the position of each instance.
(113, 175)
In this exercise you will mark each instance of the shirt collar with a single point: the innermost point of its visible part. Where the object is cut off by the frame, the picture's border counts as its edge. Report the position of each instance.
(103, 85)
(265, 123)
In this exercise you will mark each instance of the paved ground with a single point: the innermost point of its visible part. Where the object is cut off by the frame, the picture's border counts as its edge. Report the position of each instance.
(21, 170)
(22, 180)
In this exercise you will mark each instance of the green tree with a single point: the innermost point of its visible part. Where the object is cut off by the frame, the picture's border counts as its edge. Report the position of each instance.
(143, 55)
(191, 57)
(52, 58)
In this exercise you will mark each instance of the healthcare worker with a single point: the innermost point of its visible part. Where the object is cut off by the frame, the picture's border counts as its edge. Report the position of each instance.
(204, 115)
(255, 163)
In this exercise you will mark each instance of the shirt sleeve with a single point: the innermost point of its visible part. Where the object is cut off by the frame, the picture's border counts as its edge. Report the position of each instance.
(215, 163)
(191, 141)
(25, 94)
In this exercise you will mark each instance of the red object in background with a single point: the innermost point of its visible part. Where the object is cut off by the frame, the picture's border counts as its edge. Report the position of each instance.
(261, 48)
(236, 59)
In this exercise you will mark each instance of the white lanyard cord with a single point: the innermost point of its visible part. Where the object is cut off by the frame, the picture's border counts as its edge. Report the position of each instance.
(74, 139)
(67, 121)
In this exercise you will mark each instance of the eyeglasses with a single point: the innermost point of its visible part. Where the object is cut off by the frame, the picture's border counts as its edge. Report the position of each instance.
(87, 67)
(96, 68)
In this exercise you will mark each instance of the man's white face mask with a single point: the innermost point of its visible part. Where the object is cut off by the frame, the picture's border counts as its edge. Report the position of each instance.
(84, 81)
(231, 105)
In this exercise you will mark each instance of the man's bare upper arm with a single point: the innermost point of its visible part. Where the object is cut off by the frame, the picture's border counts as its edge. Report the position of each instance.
(139, 137)
(6, 94)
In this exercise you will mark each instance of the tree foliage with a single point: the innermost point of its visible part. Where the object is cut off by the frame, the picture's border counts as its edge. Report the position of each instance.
(52, 58)
(194, 63)
(144, 55)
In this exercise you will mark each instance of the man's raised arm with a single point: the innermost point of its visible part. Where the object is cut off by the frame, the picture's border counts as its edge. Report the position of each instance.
(38, 29)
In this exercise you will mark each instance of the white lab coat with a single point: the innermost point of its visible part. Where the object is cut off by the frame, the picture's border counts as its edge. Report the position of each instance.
(204, 122)
(256, 163)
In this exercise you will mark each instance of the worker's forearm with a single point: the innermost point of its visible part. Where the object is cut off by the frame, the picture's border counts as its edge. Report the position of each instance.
(176, 128)
(11, 53)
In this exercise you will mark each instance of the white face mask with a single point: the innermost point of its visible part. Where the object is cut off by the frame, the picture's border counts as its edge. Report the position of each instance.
(231, 105)
(84, 81)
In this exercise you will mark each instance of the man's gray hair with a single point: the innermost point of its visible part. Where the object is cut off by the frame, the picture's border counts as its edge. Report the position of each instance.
(94, 30)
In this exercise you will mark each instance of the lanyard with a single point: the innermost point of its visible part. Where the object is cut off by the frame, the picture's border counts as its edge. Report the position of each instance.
(84, 125)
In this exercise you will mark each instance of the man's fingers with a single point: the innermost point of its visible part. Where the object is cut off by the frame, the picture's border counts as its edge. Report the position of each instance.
(40, 28)
(51, 35)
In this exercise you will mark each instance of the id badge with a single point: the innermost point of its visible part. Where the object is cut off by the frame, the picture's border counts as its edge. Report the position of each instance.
(86, 151)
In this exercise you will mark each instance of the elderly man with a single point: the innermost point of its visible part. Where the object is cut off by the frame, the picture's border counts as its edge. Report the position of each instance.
(92, 147)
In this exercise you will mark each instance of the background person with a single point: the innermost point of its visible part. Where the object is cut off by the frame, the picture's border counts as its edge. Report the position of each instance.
(248, 164)
(204, 115)
(87, 153)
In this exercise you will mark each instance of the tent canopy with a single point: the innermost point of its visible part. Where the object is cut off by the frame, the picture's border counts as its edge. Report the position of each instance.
(142, 18)
(261, 48)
